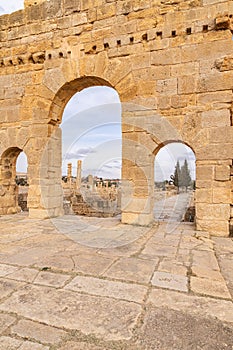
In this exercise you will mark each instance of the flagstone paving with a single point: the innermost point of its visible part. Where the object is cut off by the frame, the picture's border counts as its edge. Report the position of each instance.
(97, 284)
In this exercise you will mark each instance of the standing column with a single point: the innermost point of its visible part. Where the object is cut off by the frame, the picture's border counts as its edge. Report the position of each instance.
(69, 174)
(90, 182)
(79, 176)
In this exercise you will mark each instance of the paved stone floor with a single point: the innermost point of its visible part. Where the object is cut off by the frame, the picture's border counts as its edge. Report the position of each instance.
(95, 284)
(172, 208)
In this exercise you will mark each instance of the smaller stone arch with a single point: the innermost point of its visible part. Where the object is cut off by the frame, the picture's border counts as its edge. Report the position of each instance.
(8, 187)
(187, 199)
(165, 143)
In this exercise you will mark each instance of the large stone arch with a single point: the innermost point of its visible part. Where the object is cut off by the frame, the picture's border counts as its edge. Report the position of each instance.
(8, 187)
(172, 68)
(46, 185)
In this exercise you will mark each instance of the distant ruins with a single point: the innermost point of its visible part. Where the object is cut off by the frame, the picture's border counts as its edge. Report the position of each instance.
(172, 66)
(91, 198)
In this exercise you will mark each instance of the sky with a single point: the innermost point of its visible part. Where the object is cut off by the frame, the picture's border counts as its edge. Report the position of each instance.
(8, 6)
(91, 128)
(91, 132)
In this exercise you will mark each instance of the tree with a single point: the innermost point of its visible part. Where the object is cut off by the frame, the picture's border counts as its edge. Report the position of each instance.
(185, 179)
(176, 178)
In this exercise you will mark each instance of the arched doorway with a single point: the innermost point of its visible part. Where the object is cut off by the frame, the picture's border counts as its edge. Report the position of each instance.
(9, 181)
(91, 152)
(22, 181)
(174, 175)
(50, 177)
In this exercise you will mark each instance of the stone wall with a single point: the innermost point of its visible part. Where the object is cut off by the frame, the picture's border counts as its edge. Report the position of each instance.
(172, 66)
(93, 205)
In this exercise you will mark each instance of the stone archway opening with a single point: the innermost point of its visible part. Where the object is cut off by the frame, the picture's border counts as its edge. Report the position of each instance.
(11, 181)
(174, 183)
(88, 122)
(22, 181)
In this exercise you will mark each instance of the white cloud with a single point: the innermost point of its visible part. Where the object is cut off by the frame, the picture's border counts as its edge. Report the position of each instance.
(79, 154)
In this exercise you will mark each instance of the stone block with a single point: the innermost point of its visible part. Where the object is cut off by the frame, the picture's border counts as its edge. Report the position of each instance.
(221, 134)
(136, 205)
(203, 195)
(206, 286)
(165, 57)
(214, 97)
(75, 308)
(141, 61)
(221, 195)
(110, 289)
(213, 211)
(184, 69)
(36, 213)
(132, 269)
(40, 332)
(137, 219)
(215, 151)
(106, 11)
(215, 118)
(51, 279)
(215, 82)
(167, 86)
(170, 281)
(204, 172)
(187, 84)
(71, 6)
(214, 226)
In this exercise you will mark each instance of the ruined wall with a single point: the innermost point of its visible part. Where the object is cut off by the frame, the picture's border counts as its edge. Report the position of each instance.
(170, 62)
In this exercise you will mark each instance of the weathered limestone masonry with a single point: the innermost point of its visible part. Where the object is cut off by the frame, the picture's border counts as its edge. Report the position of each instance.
(170, 62)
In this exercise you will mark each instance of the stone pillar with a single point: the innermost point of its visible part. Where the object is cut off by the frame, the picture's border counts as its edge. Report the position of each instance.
(69, 175)
(8, 187)
(137, 200)
(231, 205)
(213, 196)
(79, 176)
(45, 196)
(90, 182)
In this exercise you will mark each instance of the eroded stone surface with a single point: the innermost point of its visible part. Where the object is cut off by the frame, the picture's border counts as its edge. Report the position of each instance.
(221, 309)
(170, 281)
(24, 274)
(38, 332)
(102, 287)
(15, 344)
(92, 263)
(109, 319)
(172, 266)
(80, 346)
(8, 286)
(109, 302)
(183, 330)
(209, 287)
(7, 269)
(51, 279)
(6, 321)
(132, 269)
